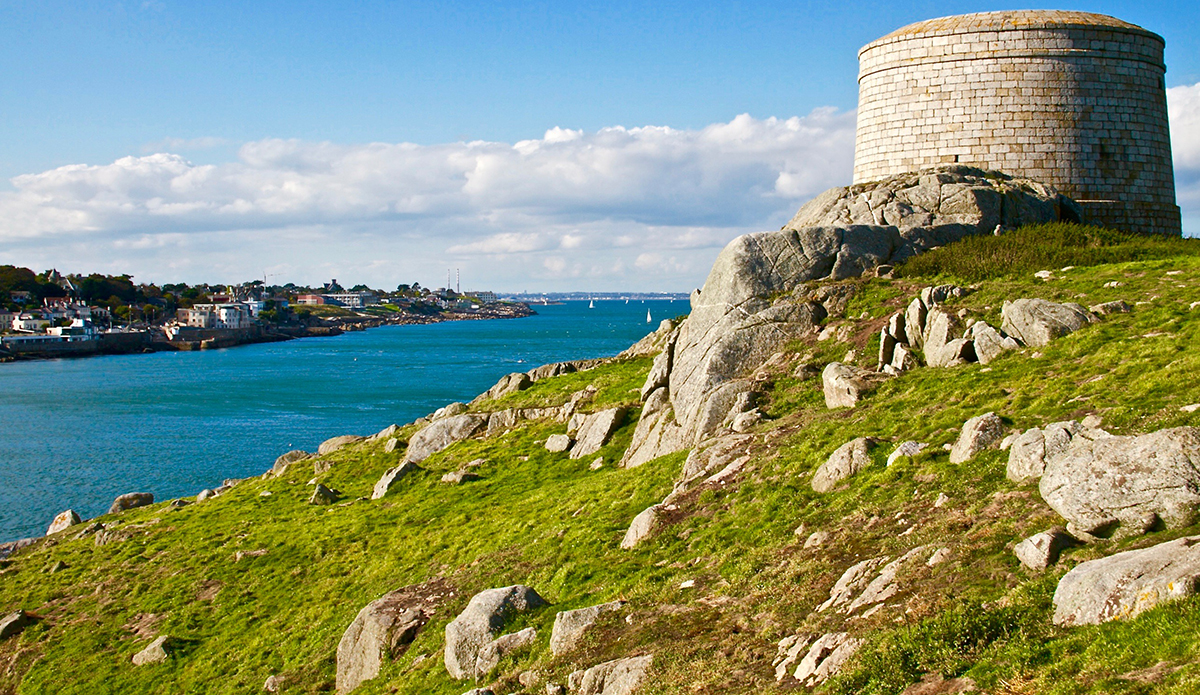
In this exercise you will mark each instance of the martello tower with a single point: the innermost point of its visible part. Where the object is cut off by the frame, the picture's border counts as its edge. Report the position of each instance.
(1072, 99)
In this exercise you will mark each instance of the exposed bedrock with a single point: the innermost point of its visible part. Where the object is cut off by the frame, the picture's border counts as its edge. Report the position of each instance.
(749, 307)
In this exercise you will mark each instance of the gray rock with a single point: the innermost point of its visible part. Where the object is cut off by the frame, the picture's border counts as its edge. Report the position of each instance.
(1117, 307)
(789, 651)
(709, 457)
(130, 501)
(641, 527)
(571, 626)
(596, 430)
(826, 657)
(617, 677)
(953, 200)
(852, 582)
(473, 644)
(13, 623)
(391, 445)
(903, 360)
(389, 478)
(744, 422)
(285, 460)
(909, 449)
(63, 521)
(558, 443)
(205, 494)
(450, 410)
(324, 495)
(957, 351)
(845, 384)
(274, 683)
(442, 433)
(1132, 482)
(381, 631)
(653, 343)
(848, 459)
(1041, 550)
(990, 343)
(660, 371)
(816, 539)
(7, 548)
(1035, 322)
(979, 433)
(1034, 447)
(943, 327)
(509, 383)
(887, 349)
(334, 443)
(154, 653)
(458, 477)
(884, 585)
(915, 321)
(1123, 585)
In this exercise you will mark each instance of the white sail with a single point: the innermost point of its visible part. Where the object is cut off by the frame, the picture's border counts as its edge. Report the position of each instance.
(647, 317)
(592, 305)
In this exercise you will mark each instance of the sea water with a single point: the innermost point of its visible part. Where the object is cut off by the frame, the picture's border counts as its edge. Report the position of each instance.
(76, 433)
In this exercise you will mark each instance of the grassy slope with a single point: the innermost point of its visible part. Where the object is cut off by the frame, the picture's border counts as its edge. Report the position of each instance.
(550, 522)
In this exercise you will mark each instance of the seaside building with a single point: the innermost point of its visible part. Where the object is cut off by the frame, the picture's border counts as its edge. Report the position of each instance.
(310, 300)
(352, 300)
(1072, 99)
(233, 315)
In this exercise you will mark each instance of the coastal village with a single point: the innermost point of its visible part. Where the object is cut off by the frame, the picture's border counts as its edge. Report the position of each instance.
(57, 315)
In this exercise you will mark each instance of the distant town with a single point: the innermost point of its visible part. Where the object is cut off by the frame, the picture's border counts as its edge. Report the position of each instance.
(54, 315)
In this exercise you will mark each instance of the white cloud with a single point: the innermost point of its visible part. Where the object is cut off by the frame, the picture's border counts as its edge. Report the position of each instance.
(602, 197)
(1183, 107)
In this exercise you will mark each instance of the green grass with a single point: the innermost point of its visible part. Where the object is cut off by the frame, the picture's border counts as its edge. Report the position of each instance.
(1042, 247)
(551, 522)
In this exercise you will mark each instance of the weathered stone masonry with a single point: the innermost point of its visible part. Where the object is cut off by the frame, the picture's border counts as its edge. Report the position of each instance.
(1072, 99)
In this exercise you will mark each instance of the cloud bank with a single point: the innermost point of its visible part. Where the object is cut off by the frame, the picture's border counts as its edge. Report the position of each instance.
(620, 208)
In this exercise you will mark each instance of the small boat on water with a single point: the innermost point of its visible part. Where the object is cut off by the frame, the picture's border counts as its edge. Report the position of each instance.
(647, 317)
(592, 304)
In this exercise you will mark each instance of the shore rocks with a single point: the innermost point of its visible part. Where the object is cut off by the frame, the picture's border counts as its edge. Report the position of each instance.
(1036, 322)
(155, 653)
(1134, 482)
(571, 626)
(848, 459)
(63, 521)
(285, 460)
(596, 430)
(334, 443)
(509, 383)
(473, 648)
(1123, 585)
(382, 630)
(978, 433)
(616, 677)
(131, 500)
(390, 476)
(844, 385)
(442, 433)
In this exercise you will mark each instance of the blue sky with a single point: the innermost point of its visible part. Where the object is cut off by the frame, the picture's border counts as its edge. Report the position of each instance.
(133, 102)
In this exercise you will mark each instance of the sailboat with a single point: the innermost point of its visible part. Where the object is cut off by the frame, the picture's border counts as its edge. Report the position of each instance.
(647, 316)
(592, 304)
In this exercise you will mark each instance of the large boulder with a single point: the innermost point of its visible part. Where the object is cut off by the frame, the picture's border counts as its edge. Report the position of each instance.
(848, 459)
(509, 383)
(844, 384)
(131, 500)
(382, 630)
(571, 626)
(334, 443)
(616, 677)
(978, 433)
(596, 430)
(1125, 584)
(1035, 322)
(946, 203)
(642, 526)
(63, 521)
(442, 433)
(1034, 447)
(474, 645)
(1134, 482)
(990, 343)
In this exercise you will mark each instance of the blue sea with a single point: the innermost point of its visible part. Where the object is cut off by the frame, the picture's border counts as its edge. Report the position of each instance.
(74, 434)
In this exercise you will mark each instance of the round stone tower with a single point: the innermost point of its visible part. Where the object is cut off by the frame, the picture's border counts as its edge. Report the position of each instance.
(1071, 99)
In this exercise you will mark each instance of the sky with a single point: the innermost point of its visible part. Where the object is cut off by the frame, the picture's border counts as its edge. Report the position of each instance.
(535, 146)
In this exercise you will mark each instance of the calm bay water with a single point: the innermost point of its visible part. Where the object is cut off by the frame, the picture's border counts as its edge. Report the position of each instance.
(77, 433)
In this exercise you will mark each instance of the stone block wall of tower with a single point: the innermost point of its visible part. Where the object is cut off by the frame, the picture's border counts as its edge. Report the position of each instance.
(1072, 99)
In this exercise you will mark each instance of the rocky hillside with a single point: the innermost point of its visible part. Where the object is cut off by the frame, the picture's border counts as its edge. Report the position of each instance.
(835, 474)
